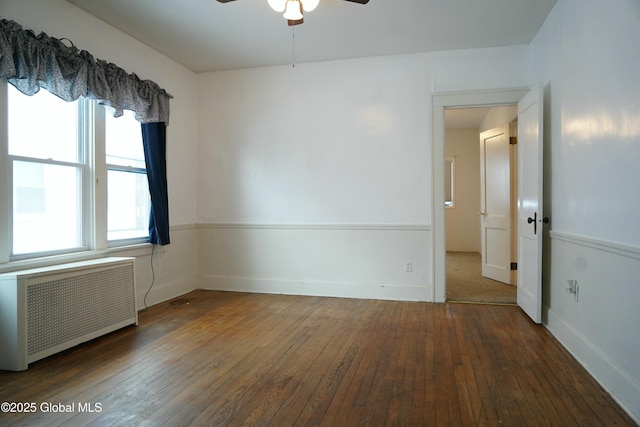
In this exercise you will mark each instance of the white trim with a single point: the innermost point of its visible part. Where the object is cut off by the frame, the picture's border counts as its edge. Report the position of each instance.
(598, 244)
(164, 291)
(4, 176)
(96, 134)
(484, 98)
(182, 227)
(48, 261)
(135, 250)
(378, 291)
(364, 227)
(615, 380)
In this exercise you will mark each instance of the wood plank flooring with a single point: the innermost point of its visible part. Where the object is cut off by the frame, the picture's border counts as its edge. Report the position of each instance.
(221, 358)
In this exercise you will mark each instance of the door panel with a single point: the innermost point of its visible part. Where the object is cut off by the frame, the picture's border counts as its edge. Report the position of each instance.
(495, 204)
(530, 204)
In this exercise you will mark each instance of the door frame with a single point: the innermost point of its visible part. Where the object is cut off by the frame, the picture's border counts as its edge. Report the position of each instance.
(442, 101)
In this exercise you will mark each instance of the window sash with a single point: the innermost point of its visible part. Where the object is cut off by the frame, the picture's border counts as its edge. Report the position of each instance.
(82, 164)
(127, 240)
(80, 203)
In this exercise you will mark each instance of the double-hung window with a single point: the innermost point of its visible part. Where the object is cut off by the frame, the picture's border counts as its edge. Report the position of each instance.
(128, 203)
(76, 177)
(47, 170)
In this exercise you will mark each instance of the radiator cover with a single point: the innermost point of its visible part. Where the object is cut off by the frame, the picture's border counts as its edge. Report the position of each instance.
(47, 310)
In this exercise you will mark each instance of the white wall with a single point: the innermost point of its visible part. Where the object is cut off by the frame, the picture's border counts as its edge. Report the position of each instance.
(318, 180)
(174, 264)
(587, 56)
(462, 221)
(324, 170)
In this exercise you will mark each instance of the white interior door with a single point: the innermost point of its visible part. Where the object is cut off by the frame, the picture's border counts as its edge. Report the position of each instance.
(495, 204)
(530, 218)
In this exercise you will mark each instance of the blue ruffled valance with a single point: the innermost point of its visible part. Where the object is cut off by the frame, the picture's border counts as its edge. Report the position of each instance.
(30, 62)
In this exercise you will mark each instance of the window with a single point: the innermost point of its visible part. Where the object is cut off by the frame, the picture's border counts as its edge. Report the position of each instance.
(57, 156)
(46, 168)
(449, 181)
(128, 191)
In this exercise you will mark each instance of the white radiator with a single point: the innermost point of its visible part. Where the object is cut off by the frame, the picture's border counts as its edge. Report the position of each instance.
(46, 310)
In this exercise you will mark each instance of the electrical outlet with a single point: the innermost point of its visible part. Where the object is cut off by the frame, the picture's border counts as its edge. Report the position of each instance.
(408, 266)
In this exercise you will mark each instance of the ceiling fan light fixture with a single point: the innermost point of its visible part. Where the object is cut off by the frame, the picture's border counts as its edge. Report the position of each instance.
(309, 5)
(278, 5)
(292, 11)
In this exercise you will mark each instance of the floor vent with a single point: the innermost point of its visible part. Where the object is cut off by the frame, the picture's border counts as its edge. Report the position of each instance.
(47, 310)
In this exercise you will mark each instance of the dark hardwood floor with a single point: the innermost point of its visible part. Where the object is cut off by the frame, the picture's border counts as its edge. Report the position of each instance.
(220, 358)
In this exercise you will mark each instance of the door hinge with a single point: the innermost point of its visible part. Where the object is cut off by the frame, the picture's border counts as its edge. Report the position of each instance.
(514, 266)
(513, 140)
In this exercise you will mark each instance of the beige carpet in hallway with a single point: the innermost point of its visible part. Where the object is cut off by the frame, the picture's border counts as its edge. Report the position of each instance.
(465, 281)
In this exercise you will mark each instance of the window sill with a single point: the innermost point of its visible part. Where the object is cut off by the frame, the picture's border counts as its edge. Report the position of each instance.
(135, 250)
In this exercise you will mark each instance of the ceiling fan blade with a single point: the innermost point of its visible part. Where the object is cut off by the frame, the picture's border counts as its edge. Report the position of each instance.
(355, 1)
(296, 22)
(224, 1)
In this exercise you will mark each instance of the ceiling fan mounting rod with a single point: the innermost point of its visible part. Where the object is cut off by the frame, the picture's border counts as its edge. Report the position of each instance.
(293, 46)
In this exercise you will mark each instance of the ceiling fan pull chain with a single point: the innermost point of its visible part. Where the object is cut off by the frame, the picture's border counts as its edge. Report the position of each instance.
(293, 46)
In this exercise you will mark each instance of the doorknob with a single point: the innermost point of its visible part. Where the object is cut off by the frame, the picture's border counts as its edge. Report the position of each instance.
(534, 220)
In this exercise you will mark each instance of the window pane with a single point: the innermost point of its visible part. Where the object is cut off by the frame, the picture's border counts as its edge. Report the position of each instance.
(128, 205)
(46, 207)
(123, 140)
(42, 126)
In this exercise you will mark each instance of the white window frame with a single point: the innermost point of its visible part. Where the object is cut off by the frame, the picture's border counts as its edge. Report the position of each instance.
(94, 191)
(100, 144)
(4, 178)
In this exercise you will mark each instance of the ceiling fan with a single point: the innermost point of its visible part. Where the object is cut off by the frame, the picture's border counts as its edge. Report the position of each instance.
(292, 9)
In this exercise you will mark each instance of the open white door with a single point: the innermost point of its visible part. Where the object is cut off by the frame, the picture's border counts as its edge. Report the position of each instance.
(530, 218)
(495, 204)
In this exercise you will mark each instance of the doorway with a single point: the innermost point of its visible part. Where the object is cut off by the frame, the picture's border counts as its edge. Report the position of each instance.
(479, 177)
(463, 100)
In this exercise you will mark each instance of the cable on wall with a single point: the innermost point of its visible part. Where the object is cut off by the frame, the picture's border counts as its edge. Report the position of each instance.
(153, 277)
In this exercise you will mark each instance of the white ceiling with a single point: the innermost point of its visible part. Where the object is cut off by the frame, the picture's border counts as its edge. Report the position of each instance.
(205, 35)
(464, 118)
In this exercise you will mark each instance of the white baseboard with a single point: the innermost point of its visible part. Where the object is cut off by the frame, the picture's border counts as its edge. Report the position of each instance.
(599, 328)
(619, 384)
(159, 294)
(339, 290)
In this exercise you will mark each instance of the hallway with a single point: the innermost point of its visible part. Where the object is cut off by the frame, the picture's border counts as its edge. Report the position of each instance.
(466, 284)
